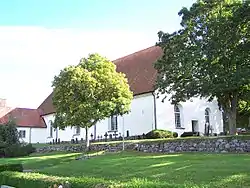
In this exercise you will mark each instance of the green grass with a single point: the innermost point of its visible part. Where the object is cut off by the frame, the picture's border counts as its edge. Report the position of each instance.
(200, 170)
(38, 161)
(133, 169)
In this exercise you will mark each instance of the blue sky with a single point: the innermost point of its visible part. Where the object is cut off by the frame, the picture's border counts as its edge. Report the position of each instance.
(40, 37)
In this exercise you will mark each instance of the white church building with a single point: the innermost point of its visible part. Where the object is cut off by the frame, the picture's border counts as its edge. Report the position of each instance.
(147, 112)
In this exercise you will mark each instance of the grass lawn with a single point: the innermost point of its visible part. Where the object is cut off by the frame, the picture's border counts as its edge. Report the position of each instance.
(40, 161)
(192, 170)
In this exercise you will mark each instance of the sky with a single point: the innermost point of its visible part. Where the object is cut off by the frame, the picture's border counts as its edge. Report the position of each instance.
(38, 38)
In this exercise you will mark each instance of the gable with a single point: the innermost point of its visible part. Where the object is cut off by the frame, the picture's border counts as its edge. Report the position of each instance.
(24, 118)
(139, 71)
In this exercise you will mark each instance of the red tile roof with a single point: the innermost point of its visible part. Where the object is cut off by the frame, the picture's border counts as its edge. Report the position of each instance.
(138, 68)
(24, 117)
(47, 106)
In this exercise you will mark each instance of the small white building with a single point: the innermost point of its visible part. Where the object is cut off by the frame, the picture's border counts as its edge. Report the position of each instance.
(30, 125)
(147, 111)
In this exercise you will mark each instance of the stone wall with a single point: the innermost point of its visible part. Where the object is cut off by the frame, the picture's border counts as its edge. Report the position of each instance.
(61, 147)
(217, 145)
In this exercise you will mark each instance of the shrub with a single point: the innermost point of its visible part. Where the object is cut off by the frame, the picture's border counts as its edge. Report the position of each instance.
(2, 146)
(187, 134)
(24, 180)
(11, 167)
(9, 142)
(29, 149)
(159, 133)
(17, 150)
(175, 134)
(9, 133)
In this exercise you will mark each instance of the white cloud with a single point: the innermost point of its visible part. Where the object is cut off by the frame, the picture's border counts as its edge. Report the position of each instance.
(31, 56)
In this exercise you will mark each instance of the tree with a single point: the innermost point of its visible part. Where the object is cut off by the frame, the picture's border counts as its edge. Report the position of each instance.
(9, 133)
(89, 92)
(209, 56)
(244, 113)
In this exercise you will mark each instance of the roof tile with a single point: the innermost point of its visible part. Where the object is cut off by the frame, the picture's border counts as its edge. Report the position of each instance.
(138, 68)
(24, 117)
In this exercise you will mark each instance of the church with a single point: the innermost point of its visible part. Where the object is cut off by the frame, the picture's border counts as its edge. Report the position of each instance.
(147, 111)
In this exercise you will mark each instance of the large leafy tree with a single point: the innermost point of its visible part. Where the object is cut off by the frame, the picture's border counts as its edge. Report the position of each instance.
(89, 92)
(209, 56)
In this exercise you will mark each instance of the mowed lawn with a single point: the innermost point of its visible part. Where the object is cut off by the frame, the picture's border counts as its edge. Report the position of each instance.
(191, 170)
(42, 160)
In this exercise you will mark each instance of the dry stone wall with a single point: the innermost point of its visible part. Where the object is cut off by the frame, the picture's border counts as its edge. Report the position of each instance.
(236, 144)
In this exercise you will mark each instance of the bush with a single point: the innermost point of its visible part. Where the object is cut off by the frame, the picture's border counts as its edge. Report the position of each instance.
(9, 142)
(175, 134)
(17, 150)
(159, 133)
(24, 180)
(29, 149)
(9, 133)
(2, 147)
(11, 167)
(187, 134)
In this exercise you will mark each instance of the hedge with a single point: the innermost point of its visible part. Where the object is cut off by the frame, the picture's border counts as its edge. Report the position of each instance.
(17, 150)
(24, 180)
(11, 167)
(159, 133)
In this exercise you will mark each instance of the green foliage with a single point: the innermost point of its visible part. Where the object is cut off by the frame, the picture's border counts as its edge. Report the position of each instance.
(175, 134)
(89, 92)
(24, 180)
(9, 133)
(17, 150)
(9, 142)
(11, 167)
(139, 170)
(159, 133)
(209, 57)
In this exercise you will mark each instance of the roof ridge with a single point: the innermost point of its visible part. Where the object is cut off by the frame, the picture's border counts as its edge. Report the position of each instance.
(132, 54)
(22, 108)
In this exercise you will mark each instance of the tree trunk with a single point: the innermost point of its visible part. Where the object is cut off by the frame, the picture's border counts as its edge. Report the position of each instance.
(87, 138)
(232, 123)
(232, 115)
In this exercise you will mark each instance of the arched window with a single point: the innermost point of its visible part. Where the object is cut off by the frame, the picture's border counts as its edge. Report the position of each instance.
(114, 123)
(50, 129)
(78, 130)
(177, 114)
(207, 114)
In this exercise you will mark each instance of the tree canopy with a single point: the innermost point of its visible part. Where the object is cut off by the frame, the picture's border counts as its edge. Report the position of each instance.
(209, 56)
(9, 133)
(89, 92)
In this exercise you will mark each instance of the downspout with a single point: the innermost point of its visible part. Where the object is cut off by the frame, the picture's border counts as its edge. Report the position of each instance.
(154, 109)
(57, 134)
(94, 131)
(30, 136)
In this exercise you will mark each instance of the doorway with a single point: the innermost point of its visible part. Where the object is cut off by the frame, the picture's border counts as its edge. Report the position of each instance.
(195, 126)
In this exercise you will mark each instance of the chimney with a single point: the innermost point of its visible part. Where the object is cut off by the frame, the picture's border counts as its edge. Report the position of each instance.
(3, 102)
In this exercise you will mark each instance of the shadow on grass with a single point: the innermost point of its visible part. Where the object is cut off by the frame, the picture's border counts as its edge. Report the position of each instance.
(185, 169)
(37, 162)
